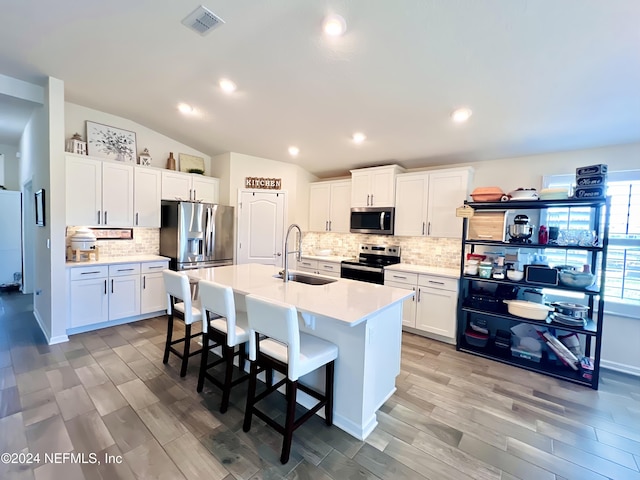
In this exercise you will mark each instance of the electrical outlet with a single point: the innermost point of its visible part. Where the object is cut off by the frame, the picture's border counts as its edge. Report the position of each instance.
(38, 292)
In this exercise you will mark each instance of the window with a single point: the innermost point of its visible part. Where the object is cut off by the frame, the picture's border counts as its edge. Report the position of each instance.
(622, 270)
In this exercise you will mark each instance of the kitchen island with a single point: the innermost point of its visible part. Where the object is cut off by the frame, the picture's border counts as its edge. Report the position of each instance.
(364, 320)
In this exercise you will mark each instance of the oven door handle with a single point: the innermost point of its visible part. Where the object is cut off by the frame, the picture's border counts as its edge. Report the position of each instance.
(362, 268)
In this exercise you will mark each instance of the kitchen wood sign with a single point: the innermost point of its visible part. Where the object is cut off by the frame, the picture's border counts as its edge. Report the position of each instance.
(263, 183)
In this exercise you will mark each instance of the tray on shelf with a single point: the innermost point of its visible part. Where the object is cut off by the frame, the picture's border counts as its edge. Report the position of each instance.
(590, 329)
(587, 291)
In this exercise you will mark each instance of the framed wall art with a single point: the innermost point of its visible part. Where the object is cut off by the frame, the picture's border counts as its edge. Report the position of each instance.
(40, 215)
(191, 164)
(110, 142)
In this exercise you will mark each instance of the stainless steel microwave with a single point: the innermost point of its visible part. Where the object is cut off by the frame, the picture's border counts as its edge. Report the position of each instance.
(376, 220)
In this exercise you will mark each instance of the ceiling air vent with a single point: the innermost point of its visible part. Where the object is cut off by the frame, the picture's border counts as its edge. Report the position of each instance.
(202, 20)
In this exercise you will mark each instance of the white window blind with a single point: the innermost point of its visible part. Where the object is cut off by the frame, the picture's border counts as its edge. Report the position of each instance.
(622, 269)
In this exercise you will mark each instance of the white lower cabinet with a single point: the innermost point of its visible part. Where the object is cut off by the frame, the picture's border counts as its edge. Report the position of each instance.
(103, 293)
(153, 296)
(432, 310)
(319, 267)
(124, 290)
(89, 299)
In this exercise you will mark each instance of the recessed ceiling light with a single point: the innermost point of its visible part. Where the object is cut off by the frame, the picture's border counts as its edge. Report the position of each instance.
(334, 25)
(186, 108)
(461, 115)
(294, 151)
(227, 86)
(358, 137)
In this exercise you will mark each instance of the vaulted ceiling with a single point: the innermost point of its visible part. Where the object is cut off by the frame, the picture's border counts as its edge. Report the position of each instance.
(539, 76)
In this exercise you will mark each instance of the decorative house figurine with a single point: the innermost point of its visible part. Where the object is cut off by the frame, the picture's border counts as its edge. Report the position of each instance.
(76, 145)
(145, 158)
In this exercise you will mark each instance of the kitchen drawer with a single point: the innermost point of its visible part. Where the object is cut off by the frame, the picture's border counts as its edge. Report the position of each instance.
(154, 267)
(329, 267)
(306, 264)
(403, 277)
(124, 269)
(443, 283)
(488, 226)
(84, 273)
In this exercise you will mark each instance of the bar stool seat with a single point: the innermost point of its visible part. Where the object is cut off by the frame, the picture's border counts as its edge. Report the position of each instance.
(276, 343)
(180, 305)
(226, 328)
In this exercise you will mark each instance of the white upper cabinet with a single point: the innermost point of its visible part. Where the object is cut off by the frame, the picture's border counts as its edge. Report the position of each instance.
(83, 191)
(426, 202)
(411, 204)
(176, 186)
(329, 206)
(205, 189)
(188, 186)
(448, 189)
(375, 186)
(147, 195)
(117, 195)
(98, 193)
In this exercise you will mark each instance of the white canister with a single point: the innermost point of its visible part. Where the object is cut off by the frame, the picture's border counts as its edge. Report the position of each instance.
(83, 239)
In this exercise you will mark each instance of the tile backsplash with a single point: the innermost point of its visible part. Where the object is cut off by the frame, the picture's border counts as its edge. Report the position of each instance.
(432, 252)
(146, 241)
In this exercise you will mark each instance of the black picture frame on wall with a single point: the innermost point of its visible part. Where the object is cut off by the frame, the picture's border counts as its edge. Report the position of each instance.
(39, 195)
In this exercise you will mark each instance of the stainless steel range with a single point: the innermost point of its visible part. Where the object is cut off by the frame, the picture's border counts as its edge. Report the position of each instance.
(369, 266)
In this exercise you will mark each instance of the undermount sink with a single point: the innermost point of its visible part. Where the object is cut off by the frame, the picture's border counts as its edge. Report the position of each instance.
(308, 279)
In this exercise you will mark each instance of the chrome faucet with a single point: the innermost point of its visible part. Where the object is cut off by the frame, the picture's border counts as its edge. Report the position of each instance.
(285, 273)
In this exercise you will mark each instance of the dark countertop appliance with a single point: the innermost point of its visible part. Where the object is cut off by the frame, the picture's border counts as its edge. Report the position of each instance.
(369, 266)
(196, 235)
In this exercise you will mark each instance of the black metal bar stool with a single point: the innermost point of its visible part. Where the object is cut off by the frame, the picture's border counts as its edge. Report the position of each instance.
(226, 328)
(276, 343)
(180, 305)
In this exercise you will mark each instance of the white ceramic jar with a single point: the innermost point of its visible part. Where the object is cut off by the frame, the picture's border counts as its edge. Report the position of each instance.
(83, 239)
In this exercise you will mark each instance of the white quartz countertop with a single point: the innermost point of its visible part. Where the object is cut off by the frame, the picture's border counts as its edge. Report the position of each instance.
(437, 271)
(327, 258)
(118, 260)
(345, 300)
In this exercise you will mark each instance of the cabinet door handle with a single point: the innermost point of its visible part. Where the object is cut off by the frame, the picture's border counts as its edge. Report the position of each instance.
(158, 266)
(144, 282)
(111, 285)
(419, 292)
(329, 225)
(98, 217)
(423, 225)
(400, 276)
(88, 273)
(136, 218)
(105, 287)
(105, 217)
(326, 226)
(125, 269)
(413, 298)
(436, 283)
(429, 228)
(372, 199)
(368, 200)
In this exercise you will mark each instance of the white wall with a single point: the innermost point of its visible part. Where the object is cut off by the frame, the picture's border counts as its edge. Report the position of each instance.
(527, 172)
(159, 145)
(9, 167)
(295, 181)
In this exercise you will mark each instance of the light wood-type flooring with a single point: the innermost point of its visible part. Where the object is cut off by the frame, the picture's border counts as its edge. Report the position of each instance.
(454, 416)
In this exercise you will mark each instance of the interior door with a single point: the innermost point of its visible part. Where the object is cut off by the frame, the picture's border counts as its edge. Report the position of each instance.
(260, 227)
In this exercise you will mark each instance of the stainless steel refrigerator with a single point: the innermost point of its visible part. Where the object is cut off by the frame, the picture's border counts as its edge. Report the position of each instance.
(196, 235)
